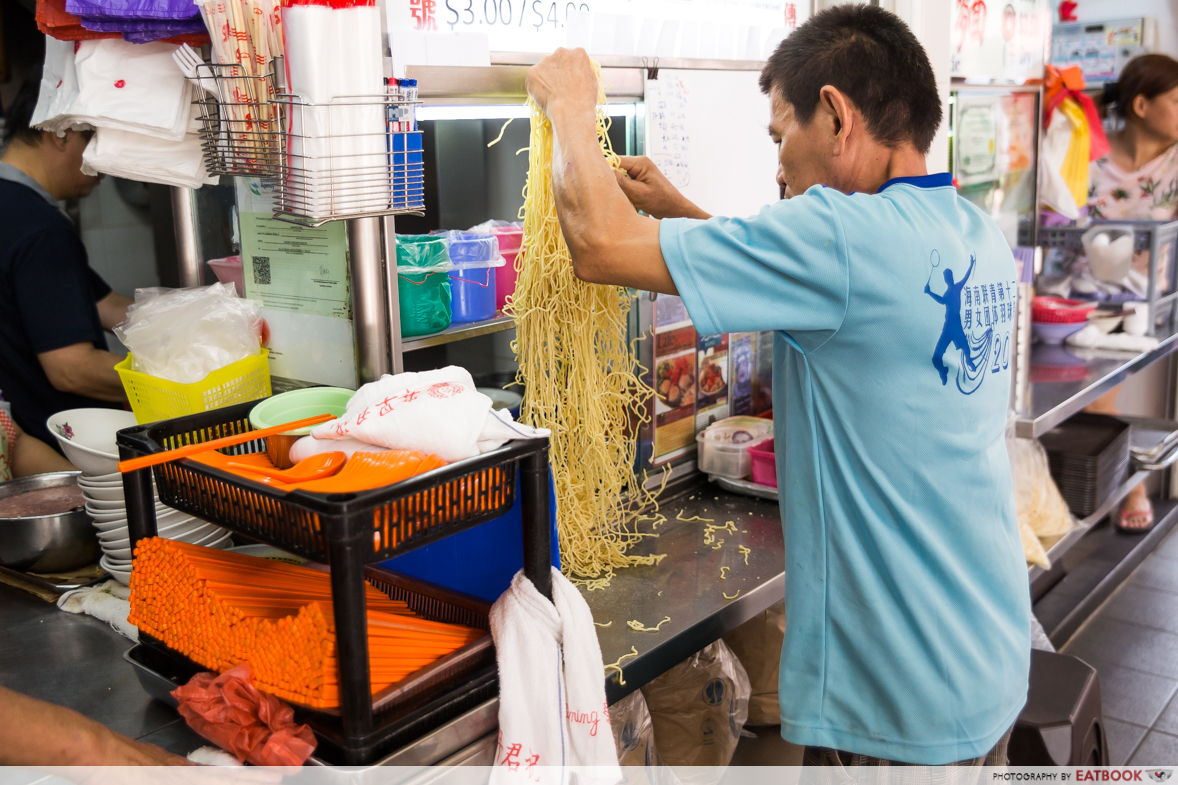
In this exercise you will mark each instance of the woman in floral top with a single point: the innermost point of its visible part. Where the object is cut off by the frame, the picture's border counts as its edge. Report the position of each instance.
(22, 455)
(1138, 180)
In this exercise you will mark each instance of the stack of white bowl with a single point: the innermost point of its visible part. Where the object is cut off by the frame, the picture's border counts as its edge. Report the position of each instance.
(87, 436)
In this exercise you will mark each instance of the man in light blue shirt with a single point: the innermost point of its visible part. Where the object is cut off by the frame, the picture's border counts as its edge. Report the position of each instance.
(893, 302)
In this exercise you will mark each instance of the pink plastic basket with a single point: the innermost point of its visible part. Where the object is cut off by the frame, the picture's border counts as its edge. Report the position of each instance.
(764, 461)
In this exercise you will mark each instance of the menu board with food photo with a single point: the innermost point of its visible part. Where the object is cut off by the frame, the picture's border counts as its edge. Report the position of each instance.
(711, 402)
(740, 373)
(674, 392)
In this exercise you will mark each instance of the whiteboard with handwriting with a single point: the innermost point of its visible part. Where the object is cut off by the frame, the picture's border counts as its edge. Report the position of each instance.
(707, 131)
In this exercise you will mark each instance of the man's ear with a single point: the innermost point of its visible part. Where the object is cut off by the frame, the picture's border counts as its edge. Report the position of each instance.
(54, 141)
(833, 102)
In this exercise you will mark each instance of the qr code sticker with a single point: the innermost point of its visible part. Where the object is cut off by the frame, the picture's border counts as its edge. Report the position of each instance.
(262, 270)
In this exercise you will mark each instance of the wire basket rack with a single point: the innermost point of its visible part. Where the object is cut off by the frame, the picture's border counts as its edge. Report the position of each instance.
(240, 123)
(343, 159)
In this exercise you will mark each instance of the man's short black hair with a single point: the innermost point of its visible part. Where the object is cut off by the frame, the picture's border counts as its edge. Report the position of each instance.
(20, 112)
(870, 56)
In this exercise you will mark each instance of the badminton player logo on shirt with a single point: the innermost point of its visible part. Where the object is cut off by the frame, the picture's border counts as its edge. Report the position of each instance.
(979, 317)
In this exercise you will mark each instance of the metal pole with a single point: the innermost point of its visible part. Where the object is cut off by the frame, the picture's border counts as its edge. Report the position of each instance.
(187, 244)
(369, 308)
(537, 521)
(392, 303)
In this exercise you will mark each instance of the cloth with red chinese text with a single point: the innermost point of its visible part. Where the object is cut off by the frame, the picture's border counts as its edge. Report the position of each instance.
(553, 718)
(437, 412)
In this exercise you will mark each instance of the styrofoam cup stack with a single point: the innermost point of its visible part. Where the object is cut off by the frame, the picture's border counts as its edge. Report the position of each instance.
(87, 436)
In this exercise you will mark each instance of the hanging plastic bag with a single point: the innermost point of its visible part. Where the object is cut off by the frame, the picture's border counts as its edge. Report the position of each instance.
(634, 738)
(183, 335)
(231, 712)
(698, 709)
(757, 644)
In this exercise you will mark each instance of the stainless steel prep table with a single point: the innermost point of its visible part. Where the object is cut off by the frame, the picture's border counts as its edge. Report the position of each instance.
(76, 661)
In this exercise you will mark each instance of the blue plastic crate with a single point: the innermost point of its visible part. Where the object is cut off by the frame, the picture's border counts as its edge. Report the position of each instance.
(479, 561)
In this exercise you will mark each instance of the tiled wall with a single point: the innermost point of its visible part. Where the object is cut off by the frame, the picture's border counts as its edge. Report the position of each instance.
(119, 243)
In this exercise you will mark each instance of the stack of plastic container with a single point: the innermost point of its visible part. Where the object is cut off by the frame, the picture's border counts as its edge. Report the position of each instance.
(476, 261)
(423, 283)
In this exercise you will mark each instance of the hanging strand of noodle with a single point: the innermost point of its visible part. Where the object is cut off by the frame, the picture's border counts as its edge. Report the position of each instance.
(580, 378)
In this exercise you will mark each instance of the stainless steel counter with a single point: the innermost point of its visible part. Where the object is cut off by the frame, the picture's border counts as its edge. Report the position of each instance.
(76, 661)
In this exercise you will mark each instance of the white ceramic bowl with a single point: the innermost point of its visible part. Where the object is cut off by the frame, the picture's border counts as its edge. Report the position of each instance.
(214, 536)
(87, 436)
(120, 511)
(109, 526)
(104, 505)
(102, 494)
(120, 573)
(106, 516)
(117, 553)
(119, 563)
(112, 478)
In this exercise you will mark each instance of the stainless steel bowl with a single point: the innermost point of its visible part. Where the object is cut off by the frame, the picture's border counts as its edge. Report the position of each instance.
(46, 543)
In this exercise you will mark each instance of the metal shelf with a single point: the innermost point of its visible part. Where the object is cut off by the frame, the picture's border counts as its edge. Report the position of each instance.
(460, 332)
(1084, 525)
(1053, 402)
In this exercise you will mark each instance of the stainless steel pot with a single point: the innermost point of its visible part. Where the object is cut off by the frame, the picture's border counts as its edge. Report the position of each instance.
(46, 543)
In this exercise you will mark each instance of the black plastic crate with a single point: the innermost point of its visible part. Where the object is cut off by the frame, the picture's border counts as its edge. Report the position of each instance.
(400, 517)
(346, 531)
(1089, 459)
(416, 704)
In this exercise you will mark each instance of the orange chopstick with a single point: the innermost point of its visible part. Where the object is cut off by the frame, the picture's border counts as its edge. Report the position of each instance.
(145, 461)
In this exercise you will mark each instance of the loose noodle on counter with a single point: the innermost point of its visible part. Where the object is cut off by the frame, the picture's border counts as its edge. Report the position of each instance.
(580, 378)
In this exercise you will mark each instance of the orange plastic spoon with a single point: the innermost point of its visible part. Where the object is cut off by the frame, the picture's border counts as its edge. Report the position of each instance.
(312, 468)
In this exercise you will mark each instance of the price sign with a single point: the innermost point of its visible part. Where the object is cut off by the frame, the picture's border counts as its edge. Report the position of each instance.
(543, 25)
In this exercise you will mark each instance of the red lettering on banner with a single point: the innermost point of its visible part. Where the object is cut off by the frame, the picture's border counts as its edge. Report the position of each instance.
(443, 390)
(511, 759)
(386, 406)
(533, 762)
(410, 396)
(423, 13)
(362, 416)
(583, 718)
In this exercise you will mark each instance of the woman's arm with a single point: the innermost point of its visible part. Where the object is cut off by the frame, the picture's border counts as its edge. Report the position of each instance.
(29, 455)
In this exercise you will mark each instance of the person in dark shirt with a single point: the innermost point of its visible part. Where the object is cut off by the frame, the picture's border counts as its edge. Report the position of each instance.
(53, 306)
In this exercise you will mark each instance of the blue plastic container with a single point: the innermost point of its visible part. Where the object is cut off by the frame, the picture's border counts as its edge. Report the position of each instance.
(479, 561)
(472, 283)
(473, 294)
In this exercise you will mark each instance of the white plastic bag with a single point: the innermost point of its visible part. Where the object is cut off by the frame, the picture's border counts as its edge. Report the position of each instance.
(634, 738)
(183, 335)
(59, 87)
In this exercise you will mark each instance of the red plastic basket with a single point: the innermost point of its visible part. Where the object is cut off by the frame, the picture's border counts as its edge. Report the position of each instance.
(1057, 310)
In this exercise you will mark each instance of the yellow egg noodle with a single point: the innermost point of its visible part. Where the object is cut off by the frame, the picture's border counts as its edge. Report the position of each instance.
(581, 379)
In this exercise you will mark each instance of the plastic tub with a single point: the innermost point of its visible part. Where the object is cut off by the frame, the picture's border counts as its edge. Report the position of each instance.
(764, 462)
(229, 270)
(723, 445)
(296, 405)
(510, 245)
(423, 284)
(153, 399)
(473, 280)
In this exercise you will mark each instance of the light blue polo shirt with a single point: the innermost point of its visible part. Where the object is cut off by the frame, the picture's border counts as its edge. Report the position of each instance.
(907, 605)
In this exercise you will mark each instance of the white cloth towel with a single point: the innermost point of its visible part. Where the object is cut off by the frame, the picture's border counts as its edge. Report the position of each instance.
(131, 87)
(553, 718)
(1092, 338)
(108, 602)
(437, 412)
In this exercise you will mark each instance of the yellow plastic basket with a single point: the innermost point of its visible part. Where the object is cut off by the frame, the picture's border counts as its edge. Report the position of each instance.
(153, 399)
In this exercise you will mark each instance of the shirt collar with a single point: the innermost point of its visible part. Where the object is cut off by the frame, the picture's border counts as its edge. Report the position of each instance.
(938, 180)
(13, 175)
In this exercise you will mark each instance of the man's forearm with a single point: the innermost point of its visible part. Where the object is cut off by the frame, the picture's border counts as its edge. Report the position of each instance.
(34, 733)
(84, 370)
(591, 206)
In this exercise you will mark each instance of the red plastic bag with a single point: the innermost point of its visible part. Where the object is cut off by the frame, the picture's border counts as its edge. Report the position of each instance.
(255, 727)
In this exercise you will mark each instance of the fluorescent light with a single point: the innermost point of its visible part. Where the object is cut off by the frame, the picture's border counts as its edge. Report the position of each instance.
(493, 112)
(503, 112)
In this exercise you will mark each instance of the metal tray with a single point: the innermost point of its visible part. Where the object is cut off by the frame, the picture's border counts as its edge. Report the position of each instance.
(745, 487)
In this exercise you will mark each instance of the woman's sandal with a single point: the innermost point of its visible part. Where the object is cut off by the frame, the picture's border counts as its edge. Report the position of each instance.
(1128, 515)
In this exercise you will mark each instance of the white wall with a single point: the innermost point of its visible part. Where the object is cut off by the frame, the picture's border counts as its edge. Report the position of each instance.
(1165, 11)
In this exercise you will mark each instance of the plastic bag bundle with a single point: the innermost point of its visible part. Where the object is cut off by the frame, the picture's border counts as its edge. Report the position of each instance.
(1039, 506)
(698, 709)
(633, 731)
(230, 712)
(757, 644)
(183, 335)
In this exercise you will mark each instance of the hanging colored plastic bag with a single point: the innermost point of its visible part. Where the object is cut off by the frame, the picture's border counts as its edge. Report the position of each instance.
(233, 714)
